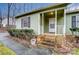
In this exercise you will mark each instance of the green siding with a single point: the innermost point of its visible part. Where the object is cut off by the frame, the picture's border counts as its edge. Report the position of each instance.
(69, 23)
(35, 23)
(60, 24)
(46, 25)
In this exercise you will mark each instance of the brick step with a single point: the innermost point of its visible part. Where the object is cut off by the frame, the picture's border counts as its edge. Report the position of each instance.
(51, 41)
(46, 40)
(48, 37)
(46, 46)
(48, 43)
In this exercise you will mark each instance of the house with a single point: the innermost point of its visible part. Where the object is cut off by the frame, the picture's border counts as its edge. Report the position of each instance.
(56, 19)
(5, 22)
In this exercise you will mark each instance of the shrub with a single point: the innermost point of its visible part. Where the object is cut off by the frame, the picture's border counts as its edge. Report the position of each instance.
(29, 33)
(21, 33)
(74, 30)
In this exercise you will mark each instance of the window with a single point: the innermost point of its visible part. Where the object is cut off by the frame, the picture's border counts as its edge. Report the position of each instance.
(77, 21)
(73, 21)
(52, 25)
(25, 22)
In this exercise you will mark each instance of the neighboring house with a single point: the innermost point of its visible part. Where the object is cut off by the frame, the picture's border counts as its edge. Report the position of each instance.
(5, 22)
(56, 19)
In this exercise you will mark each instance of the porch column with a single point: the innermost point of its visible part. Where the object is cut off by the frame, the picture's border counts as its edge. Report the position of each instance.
(42, 23)
(64, 30)
(55, 22)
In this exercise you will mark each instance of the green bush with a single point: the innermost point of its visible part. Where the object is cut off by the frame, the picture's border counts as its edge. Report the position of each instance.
(74, 30)
(29, 33)
(76, 51)
(21, 33)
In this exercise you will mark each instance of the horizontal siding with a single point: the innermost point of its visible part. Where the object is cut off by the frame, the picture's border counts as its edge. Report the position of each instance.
(35, 23)
(69, 23)
(18, 23)
(60, 25)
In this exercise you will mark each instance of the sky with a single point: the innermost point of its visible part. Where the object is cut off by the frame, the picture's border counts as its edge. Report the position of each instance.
(3, 8)
(28, 7)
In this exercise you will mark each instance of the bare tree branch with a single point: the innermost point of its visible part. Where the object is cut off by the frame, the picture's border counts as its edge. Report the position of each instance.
(8, 16)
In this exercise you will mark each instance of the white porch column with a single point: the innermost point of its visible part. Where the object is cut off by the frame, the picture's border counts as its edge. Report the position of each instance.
(42, 23)
(64, 30)
(55, 22)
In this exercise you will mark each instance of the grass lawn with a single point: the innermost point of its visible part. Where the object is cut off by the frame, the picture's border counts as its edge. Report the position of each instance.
(76, 51)
(6, 51)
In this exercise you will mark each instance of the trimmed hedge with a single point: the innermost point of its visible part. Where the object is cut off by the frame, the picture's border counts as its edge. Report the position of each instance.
(21, 33)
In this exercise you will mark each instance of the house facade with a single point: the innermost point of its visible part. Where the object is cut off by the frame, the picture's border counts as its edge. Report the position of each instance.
(56, 19)
(11, 22)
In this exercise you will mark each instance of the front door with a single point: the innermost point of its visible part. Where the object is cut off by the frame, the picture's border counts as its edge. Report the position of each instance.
(52, 25)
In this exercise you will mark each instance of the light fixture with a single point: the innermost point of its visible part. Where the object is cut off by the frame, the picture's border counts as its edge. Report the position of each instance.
(51, 13)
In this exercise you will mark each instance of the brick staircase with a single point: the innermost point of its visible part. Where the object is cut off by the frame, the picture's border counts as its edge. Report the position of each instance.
(46, 40)
(59, 43)
(51, 40)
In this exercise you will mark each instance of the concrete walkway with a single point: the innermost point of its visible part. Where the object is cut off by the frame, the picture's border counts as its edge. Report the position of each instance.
(20, 49)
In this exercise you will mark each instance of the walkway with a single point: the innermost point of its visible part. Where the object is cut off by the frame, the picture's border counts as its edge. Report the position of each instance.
(20, 49)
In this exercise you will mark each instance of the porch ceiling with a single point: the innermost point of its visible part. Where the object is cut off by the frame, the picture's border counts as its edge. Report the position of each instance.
(60, 13)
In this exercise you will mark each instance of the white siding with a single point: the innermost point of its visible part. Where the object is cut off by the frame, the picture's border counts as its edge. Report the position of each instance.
(4, 22)
(11, 22)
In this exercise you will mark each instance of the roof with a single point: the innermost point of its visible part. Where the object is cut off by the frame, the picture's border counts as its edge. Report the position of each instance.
(73, 11)
(58, 5)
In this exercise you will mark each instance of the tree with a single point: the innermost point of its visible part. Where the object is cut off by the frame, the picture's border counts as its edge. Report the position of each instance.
(8, 16)
(24, 6)
(13, 12)
(0, 17)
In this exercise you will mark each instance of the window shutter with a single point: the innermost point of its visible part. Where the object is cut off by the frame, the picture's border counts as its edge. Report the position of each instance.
(21, 23)
(73, 21)
(28, 21)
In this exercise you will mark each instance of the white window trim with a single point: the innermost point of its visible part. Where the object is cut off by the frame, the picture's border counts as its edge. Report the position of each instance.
(76, 19)
(23, 23)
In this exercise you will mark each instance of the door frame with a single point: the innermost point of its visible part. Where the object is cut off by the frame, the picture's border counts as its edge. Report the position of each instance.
(53, 29)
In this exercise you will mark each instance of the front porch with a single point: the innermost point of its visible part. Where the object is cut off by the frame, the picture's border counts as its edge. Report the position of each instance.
(53, 22)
